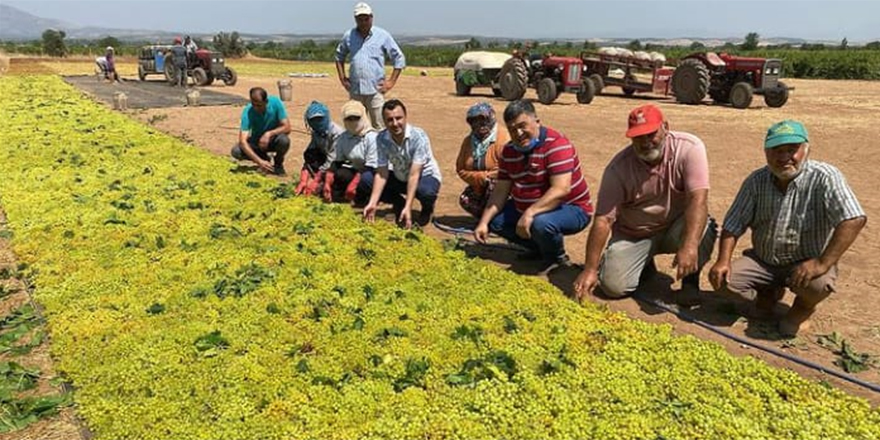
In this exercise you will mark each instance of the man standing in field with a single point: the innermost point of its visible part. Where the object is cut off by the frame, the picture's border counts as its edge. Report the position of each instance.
(178, 57)
(549, 197)
(803, 217)
(652, 200)
(264, 129)
(368, 46)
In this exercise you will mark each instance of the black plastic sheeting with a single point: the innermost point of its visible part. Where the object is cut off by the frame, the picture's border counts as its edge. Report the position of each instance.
(151, 94)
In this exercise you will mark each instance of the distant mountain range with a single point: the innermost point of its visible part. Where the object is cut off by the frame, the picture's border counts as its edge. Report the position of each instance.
(18, 25)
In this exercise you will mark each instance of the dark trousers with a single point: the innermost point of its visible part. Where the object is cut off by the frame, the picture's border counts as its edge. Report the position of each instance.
(342, 178)
(547, 229)
(395, 193)
(279, 144)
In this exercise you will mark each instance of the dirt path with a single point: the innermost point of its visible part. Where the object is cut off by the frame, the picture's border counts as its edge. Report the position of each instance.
(840, 116)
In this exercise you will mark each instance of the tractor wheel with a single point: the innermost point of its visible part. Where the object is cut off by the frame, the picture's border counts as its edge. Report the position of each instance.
(741, 95)
(230, 77)
(690, 81)
(547, 91)
(142, 73)
(588, 91)
(462, 89)
(514, 79)
(598, 82)
(778, 96)
(200, 77)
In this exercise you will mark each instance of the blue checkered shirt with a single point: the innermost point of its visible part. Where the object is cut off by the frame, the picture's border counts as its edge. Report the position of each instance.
(367, 67)
(795, 225)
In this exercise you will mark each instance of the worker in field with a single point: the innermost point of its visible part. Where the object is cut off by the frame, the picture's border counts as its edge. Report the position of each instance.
(264, 129)
(178, 58)
(350, 177)
(368, 46)
(107, 64)
(319, 154)
(803, 217)
(540, 195)
(406, 169)
(191, 48)
(479, 156)
(652, 200)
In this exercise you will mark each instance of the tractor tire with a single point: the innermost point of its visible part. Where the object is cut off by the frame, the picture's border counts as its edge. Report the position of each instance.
(230, 77)
(142, 73)
(741, 95)
(690, 81)
(547, 91)
(598, 82)
(777, 97)
(461, 89)
(200, 77)
(514, 79)
(588, 91)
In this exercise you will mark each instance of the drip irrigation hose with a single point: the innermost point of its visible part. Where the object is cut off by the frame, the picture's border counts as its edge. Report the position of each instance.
(688, 318)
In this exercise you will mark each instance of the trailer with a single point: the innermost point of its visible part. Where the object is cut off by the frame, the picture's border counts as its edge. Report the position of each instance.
(638, 72)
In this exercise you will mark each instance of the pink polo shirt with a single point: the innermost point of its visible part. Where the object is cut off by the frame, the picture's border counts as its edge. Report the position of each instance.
(643, 200)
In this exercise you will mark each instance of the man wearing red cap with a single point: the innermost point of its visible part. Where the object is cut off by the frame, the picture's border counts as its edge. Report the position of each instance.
(652, 200)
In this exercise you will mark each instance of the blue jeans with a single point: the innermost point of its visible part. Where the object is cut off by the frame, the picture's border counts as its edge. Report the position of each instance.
(547, 229)
(395, 193)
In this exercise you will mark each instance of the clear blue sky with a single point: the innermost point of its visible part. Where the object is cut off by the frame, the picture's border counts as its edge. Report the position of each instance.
(815, 20)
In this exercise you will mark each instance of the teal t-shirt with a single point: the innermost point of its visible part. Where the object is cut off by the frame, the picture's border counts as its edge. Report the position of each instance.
(257, 123)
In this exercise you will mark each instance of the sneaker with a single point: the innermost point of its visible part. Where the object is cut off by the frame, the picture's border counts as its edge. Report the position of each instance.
(688, 296)
(279, 170)
(424, 218)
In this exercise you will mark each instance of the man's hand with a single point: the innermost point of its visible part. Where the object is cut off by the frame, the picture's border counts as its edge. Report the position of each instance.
(386, 85)
(718, 274)
(405, 219)
(346, 83)
(264, 141)
(524, 226)
(585, 284)
(266, 166)
(685, 262)
(370, 213)
(481, 233)
(805, 272)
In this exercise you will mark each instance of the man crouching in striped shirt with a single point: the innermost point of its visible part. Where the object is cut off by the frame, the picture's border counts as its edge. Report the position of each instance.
(549, 198)
(803, 217)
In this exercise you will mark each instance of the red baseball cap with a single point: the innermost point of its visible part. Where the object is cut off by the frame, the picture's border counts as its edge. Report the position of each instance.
(644, 120)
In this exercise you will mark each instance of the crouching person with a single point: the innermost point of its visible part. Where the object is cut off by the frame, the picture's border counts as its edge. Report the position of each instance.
(406, 169)
(264, 130)
(478, 158)
(540, 169)
(803, 217)
(319, 154)
(350, 177)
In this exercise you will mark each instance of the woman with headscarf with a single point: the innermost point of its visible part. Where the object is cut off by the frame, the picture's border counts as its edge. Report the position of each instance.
(479, 156)
(321, 151)
(350, 177)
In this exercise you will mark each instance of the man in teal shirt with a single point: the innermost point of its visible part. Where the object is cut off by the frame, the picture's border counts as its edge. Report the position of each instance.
(264, 129)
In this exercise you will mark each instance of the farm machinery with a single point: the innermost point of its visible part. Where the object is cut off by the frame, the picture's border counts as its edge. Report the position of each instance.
(205, 67)
(549, 75)
(638, 72)
(479, 69)
(729, 79)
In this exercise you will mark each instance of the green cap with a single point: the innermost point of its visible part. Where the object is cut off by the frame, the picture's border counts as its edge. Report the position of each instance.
(786, 132)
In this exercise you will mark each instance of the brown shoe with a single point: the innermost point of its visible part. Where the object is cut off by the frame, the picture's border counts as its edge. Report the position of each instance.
(688, 296)
(797, 319)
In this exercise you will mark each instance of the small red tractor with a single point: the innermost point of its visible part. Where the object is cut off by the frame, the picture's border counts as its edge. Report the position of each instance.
(550, 75)
(729, 79)
(205, 67)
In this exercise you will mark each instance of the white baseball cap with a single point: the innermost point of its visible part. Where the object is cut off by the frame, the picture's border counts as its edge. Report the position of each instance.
(362, 9)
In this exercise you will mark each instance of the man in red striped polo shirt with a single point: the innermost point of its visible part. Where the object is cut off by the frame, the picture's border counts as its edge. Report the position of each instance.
(541, 172)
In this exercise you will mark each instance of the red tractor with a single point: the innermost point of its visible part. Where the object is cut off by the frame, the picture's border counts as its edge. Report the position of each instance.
(204, 67)
(729, 79)
(550, 75)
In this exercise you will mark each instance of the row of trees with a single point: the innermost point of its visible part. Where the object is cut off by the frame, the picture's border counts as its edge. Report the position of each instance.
(808, 61)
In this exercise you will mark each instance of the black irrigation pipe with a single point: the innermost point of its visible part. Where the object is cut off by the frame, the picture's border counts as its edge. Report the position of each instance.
(688, 318)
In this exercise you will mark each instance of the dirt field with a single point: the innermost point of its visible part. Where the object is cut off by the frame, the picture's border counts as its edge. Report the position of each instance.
(840, 116)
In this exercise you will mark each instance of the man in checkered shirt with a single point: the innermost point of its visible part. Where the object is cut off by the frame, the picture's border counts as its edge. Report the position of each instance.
(803, 217)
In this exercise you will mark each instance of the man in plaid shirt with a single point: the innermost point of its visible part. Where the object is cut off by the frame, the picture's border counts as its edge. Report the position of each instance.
(803, 217)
